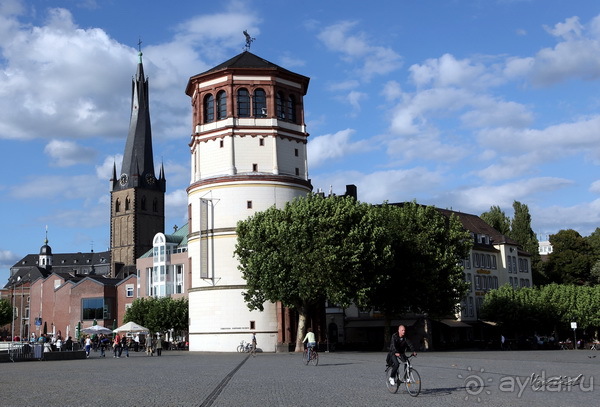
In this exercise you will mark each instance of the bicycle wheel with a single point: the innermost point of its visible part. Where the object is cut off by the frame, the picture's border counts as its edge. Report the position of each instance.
(240, 348)
(305, 358)
(314, 358)
(413, 382)
(392, 388)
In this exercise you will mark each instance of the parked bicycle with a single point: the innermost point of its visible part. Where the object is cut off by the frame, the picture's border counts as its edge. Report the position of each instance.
(409, 376)
(244, 347)
(310, 356)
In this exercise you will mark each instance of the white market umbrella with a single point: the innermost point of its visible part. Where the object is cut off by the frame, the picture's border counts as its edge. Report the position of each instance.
(96, 329)
(131, 327)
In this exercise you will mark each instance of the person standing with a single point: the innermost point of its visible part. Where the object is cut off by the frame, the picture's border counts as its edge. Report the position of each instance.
(253, 350)
(117, 346)
(124, 346)
(88, 346)
(103, 344)
(149, 346)
(158, 345)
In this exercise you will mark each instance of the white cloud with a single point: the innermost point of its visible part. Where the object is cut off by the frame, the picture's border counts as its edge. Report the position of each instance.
(355, 46)
(379, 186)
(68, 153)
(479, 199)
(595, 187)
(333, 146)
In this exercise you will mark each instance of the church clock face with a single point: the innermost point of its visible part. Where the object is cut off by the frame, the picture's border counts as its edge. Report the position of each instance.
(123, 179)
(150, 179)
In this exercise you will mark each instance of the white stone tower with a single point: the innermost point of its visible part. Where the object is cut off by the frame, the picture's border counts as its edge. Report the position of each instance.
(248, 153)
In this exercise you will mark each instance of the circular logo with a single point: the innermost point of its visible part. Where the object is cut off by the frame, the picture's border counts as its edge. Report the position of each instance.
(475, 384)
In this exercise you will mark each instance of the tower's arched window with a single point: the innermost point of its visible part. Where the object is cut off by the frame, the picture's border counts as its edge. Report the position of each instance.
(117, 206)
(144, 203)
(209, 109)
(260, 103)
(243, 103)
(290, 113)
(155, 205)
(279, 105)
(127, 203)
(221, 105)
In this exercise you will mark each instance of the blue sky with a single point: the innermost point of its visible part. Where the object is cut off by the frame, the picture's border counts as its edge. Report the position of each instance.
(457, 104)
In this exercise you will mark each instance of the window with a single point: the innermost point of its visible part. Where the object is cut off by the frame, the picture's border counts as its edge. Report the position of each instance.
(291, 109)
(296, 152)
(249, 204)
(178, 279)
(95, 308)
(243, 100)
(144, 203)
(261, 141)
(221, 105)
(221, 143)
(127, 203)
(260, 103)
(253, 325)
(209, 109)
(494, 262)
(117, 206)
(470, 281)
(471, 310)
(477, 282)
(254, 167)
(279, 105)
(297, 171)
(129, 290)
(155, 205)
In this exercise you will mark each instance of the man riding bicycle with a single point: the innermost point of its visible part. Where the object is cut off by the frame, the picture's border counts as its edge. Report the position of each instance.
(310, 339)
(398, 347)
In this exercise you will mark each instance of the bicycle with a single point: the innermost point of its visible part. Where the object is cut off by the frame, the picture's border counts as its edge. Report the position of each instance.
(244, 347)
(310, 355)
(411, 378)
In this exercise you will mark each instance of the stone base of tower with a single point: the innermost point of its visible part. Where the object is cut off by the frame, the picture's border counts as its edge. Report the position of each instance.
(220, 320)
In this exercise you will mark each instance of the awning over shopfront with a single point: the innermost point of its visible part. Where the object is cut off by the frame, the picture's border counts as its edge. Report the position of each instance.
(454, 323)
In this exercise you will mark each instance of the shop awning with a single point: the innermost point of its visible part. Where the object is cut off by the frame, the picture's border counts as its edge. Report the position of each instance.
(454, 323)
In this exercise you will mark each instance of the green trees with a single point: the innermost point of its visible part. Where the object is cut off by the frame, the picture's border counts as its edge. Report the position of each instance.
(543, 309)
(518, 229)
(6, 315)
(571, 260)
(344, 251)
(159, 315)
(497, 219)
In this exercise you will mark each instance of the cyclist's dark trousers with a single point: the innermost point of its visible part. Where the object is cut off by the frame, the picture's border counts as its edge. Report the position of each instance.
(395, 363)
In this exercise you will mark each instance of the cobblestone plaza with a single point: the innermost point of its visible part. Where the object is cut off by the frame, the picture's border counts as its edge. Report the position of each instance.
(180, 378)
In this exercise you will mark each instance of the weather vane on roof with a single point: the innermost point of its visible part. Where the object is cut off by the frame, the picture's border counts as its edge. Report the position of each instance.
(248, 40)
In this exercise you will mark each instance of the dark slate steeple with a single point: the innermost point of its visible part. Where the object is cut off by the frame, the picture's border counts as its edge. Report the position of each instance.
(137, 170)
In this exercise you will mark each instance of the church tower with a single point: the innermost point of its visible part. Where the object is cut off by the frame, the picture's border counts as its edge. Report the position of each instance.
(137, 209)
(248, 153)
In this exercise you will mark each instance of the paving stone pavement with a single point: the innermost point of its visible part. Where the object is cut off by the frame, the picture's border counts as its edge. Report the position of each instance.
(181, 378)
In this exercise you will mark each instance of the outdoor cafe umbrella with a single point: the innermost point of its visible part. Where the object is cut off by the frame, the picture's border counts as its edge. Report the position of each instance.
(96, 329)
(131, 327)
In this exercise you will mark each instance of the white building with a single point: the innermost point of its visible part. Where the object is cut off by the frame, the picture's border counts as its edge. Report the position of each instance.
(248, 153)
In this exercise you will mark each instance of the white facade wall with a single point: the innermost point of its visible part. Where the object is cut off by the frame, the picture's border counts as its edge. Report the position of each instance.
(219, 317)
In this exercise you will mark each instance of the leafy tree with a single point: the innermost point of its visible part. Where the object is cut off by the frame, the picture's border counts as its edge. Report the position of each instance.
(549, 308)
(313, 249)
(159, 315)
(6, 312)
(571, 259)
(425, 275)
(594, 241)
(497, 219)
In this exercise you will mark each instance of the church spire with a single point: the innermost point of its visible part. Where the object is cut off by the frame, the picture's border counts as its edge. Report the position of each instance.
(138, 163)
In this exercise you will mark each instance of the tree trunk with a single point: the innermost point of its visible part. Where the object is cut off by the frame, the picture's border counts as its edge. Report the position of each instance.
(301, 331)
